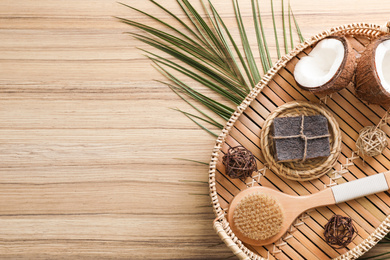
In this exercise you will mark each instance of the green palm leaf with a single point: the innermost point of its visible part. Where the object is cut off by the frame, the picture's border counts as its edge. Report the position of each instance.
(203, 50)
(255, 75)
(275, 29)
(284, 30)
(290, 26)
(227, 38)
(297, 27)
(261, 39)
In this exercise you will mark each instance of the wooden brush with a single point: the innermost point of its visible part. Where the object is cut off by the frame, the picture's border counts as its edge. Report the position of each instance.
(260, 215)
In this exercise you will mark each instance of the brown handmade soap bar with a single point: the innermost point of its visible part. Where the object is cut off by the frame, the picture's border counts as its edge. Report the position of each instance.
(300, 138)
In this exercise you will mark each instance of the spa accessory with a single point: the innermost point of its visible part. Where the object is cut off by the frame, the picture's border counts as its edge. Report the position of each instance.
(372, 141)
(293, 206)
(301, 170)
(300, 138)
(239, 162)
(339, 231)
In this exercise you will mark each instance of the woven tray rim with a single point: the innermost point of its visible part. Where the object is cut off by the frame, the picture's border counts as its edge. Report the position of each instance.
(221, 224)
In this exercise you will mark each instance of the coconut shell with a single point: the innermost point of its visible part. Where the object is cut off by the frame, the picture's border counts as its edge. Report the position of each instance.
(343, 75)
(368, 85)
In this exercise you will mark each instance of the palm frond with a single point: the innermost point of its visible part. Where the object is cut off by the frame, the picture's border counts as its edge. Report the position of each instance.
(275, 29)
(218, 108)
(284, 30)
(260, 30)
(165, 24)
(222, 30)
(191, 117)
(246, 45)
(301, 39)
(259, 37)
(200, 118)
(290, 26)
(201, 48)
(207, 34)
(206, 117)
(228, 92)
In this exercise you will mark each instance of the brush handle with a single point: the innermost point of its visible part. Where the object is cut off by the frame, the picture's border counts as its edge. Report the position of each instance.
(361, 187)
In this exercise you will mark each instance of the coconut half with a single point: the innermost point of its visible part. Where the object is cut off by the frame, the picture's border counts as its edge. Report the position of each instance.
(328, 68)
(373, 72)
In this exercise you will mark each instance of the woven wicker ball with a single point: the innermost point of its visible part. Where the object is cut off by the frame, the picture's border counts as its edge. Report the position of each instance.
(339, 231)
(239, 162)
(371, 141)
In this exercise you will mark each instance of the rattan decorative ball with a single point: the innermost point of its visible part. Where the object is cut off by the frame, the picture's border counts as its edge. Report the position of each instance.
(258, 216)
(339, 231)
(371, 141)
(239, 162)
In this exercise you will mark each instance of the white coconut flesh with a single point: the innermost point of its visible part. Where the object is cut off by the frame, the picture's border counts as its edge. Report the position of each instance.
(321, 64)
(382, 64)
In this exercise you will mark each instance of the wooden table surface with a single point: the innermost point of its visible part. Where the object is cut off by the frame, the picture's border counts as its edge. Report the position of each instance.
(88, 139)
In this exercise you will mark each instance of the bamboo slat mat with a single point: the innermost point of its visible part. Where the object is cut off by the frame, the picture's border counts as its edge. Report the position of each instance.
(305, 239)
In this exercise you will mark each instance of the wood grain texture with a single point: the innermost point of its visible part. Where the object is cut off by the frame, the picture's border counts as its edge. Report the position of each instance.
(88, 140)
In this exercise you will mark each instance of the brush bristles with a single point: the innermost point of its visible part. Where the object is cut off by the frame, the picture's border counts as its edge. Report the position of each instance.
(258, 216)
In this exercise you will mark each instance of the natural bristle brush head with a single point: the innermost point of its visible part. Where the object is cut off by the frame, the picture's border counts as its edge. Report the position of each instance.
(258, 216)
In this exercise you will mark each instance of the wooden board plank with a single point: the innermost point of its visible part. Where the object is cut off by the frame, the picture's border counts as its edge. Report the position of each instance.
(88, 140)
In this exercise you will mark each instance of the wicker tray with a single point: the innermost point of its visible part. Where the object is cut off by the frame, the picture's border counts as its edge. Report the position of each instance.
(305, 240)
